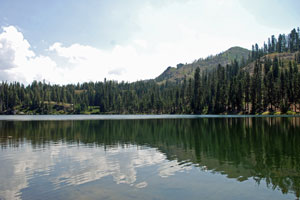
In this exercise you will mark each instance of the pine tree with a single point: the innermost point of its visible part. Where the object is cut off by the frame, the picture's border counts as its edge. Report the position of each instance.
(196, 99)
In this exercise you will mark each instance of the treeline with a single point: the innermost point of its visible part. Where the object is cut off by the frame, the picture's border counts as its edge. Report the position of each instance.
(284, 43)
(268, 81)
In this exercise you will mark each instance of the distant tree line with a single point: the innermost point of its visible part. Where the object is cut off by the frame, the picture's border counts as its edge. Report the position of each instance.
(284, 43)
(262, 83)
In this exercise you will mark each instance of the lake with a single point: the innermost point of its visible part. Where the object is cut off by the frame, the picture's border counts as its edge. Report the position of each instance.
(149, 157)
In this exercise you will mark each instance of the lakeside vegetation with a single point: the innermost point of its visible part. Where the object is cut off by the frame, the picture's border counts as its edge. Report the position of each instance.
(267, 82)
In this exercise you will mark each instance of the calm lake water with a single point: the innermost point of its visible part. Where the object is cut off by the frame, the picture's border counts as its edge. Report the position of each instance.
(69, 157)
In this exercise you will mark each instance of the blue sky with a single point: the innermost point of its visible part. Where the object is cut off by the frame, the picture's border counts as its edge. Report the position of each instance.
(74, 41)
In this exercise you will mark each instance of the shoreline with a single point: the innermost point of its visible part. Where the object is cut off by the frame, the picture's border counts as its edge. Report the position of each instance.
(127, 117)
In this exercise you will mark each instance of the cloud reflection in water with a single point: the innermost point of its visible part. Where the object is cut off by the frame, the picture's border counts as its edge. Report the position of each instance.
(67, 165)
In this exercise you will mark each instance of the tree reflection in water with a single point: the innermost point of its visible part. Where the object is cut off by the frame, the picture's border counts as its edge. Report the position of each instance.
(242, 148)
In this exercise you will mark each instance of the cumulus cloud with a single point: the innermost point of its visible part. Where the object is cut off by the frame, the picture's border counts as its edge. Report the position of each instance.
(18, 62)
(88, 63)
(164, 39)
(76, 53)
(140, 59)
(117, 71)
(7, 55)
(156, 34)
(13, 49)
(70, 64)
(79, 63)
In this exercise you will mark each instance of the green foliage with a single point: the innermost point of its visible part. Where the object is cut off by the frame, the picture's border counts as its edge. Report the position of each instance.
(256, 85)
(178, 74)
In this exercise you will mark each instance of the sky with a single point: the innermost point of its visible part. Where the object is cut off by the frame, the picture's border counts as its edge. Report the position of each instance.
(73, 41)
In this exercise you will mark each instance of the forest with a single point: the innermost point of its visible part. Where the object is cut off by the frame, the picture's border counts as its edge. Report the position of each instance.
(268, 82)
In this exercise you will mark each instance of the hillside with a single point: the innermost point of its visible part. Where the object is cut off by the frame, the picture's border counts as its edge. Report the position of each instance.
(284, 58)
(177, 74)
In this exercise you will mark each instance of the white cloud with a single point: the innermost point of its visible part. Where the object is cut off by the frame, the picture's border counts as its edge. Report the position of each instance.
(117, 71)
(141, 43)
(13, 47)
(79, 63)
(92, 64)
(18, 62)
(7, 55)
(169, 33)
(126, 63)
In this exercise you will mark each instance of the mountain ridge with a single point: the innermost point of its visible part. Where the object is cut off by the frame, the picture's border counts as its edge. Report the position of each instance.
(177, 74)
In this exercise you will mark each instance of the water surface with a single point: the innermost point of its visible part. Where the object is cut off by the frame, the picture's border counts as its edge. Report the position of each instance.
(150, 158)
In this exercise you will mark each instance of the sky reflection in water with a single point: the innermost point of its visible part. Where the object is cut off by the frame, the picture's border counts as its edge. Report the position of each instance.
(151, 159)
